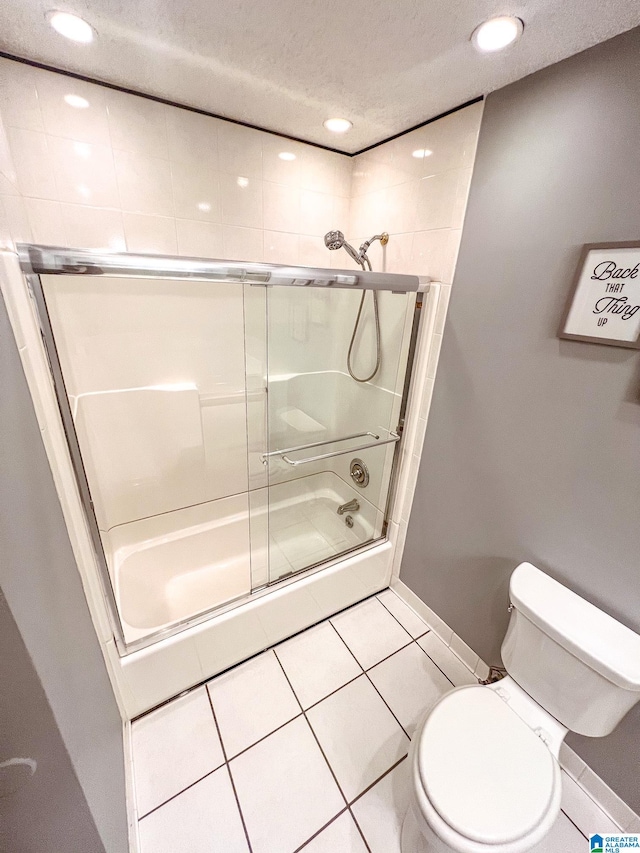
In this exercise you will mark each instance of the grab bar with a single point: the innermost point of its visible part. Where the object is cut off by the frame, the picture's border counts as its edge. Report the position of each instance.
(394, 437)
(319, 444)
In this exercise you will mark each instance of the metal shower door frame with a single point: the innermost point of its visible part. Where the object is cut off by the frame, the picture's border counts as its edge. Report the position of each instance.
(43, 260)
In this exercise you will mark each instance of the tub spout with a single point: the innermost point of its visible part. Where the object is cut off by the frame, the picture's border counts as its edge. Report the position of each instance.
(351, 506)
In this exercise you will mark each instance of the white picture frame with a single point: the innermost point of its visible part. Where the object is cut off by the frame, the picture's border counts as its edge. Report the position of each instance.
(604, 304)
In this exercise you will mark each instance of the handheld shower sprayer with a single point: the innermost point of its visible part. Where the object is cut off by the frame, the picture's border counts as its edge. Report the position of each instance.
(336, 240)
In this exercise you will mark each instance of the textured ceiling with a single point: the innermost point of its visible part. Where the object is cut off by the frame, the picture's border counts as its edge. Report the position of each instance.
(286, 65)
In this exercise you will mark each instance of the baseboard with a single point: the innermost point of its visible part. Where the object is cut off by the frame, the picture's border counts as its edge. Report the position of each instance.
(130, 794)
(593, 786)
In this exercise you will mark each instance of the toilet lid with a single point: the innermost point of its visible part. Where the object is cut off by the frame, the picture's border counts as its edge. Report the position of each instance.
(483, 769)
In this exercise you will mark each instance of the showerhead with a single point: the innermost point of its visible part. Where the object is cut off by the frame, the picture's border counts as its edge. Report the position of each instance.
(334, 240)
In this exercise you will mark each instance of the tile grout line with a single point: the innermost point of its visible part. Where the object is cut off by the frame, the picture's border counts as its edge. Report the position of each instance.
(379, 779)
(335, 779)
(396, 618)
(264, 737)
(181, 791)
(227, 765)
(365, 673)
(574, 823)
(322, 828)
(435, 664)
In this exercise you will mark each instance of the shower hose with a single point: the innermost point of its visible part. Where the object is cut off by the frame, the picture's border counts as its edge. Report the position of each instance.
(376, 314)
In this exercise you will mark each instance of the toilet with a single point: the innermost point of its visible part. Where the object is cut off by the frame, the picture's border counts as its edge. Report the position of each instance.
(484, 765)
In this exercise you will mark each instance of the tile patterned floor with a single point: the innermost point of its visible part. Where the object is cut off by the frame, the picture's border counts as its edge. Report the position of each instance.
(304, 746)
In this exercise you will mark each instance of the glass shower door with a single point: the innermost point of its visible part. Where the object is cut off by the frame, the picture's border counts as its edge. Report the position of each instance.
(330, 439)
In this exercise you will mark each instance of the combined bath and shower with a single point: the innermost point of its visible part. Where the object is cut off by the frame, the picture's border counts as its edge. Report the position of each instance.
(335, 240)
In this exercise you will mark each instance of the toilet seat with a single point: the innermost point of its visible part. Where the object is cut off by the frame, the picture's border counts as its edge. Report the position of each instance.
(486, 780)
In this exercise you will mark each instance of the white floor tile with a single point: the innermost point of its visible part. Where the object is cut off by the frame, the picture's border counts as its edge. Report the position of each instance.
(358, 734)
(449, 663)
(341, 836)
(317, 662)
(408, 618)
(381, 810)
(285, 788)
(173, 747)
(410, 683)
(251, 701)
(586, 815)
(371, 632)
(563, 838)
(202, 819)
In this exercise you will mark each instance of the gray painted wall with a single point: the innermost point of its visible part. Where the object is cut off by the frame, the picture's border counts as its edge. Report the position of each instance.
(532, 450)
(35, 810)
(41, 584)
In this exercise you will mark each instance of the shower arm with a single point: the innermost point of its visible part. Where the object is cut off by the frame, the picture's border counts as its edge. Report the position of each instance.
(362, 254)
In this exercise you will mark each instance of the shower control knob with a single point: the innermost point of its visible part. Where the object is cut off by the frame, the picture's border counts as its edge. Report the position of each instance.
(359, 473)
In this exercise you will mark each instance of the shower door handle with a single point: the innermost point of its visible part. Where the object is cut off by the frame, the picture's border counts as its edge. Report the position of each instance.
(394, 437)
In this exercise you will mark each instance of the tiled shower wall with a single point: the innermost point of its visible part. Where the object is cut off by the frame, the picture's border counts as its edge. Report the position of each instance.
(415, 188)
(127, 173)
(124, 173)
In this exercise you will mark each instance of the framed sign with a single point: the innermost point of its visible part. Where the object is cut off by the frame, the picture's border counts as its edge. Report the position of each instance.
(604, 305)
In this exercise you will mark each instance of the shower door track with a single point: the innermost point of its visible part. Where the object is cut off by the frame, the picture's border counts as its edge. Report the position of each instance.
(54, 260)
(37, 260)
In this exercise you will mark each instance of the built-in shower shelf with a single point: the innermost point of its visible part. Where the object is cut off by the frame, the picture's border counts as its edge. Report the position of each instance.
(300, 421)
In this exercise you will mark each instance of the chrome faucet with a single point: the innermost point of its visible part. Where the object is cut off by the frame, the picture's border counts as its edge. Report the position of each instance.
(351, 506)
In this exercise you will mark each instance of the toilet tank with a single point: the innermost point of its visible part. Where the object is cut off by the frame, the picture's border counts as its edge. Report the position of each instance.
(576, 661)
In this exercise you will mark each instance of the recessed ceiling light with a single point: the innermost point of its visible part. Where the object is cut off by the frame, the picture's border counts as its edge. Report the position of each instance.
(204, 206)
(497, 33)
(76, 101)
(421, 153)
(71, 26)
(338, 125)
(286, 155)
(243, 182)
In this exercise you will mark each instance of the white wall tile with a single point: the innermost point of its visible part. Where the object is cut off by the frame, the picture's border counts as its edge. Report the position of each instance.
(274, 168)
(145, 233)
(316, 213)
(84, 173)
(436, 201)
(196, 192)
(17, 219)
(144, 183)
(281, 248)
(241, 202)
(60, 119)
(19, 104)
(242, 244)
(240, 150)
(313, 252)
(281, 207)
(93, 227)
(399, 214)
(33, 163)
(192, 138)
(137, 124)
(199, 239)
(47, 224)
